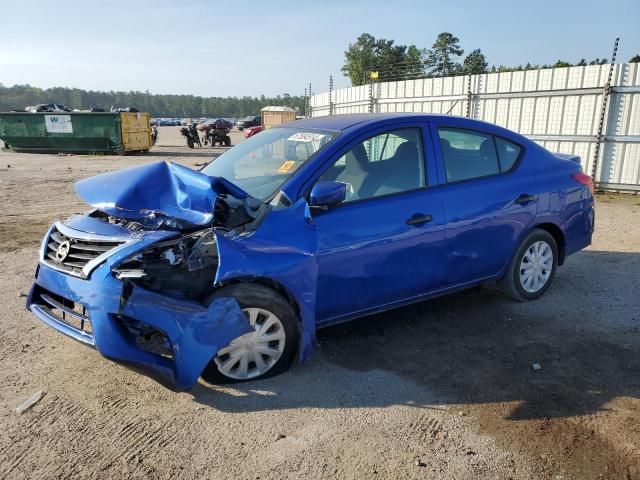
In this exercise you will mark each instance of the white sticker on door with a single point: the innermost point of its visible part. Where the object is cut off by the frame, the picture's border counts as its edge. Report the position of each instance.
(58, 123)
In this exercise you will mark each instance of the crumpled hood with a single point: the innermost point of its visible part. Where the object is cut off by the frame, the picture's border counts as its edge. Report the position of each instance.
(162, 188)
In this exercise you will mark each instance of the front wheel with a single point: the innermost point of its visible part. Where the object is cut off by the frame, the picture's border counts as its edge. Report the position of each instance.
(227, 141)
(532, 268)
(266, 351)
(189, 143)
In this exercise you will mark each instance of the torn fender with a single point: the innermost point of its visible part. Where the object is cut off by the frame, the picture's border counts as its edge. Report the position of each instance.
(166, 188)
(284, 250)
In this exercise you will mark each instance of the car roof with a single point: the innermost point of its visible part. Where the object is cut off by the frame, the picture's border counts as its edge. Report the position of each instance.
(342, 122)
(346, 121)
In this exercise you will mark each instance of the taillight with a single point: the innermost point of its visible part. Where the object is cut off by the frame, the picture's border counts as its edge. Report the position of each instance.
(584, 179)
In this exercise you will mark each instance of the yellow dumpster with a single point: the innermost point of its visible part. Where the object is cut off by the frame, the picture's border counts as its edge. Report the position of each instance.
(136, 131)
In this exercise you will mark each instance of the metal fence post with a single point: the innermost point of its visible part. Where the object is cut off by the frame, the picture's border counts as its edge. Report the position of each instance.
(306, 100)
(469, 96)
(310, 109)
(603, 113)
(330, 94)
(370, 95)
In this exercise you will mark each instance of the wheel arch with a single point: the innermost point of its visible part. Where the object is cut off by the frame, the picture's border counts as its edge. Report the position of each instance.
(273, 284)
(558, 235)
(552, 229)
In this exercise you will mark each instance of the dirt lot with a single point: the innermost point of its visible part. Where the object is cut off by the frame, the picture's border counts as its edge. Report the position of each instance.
(442, 389)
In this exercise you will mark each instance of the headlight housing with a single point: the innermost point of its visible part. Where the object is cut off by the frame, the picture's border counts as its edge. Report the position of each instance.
(189, 253)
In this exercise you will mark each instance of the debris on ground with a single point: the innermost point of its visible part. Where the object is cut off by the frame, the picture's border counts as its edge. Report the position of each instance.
(536, 366)
(30, 402)
(280, 437)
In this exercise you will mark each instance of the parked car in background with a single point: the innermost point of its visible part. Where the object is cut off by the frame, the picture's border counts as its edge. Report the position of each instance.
(250, 121)
(228, 272)
(251, 131)
(215, 123)
(47, 107)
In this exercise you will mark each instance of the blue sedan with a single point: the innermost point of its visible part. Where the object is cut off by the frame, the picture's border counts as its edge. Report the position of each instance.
(227, 272)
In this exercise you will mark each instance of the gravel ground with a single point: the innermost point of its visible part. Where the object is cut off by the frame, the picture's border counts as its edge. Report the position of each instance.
(441, 389)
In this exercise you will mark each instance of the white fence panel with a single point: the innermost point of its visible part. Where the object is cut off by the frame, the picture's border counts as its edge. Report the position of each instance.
(559, 108)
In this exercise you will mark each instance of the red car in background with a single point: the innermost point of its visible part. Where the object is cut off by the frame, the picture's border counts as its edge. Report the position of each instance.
(251, 131)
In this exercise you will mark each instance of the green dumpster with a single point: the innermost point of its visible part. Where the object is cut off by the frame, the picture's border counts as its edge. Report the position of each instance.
(77, 132)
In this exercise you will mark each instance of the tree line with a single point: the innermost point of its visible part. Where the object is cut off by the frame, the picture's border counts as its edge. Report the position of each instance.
(384, 60)
(18, 97)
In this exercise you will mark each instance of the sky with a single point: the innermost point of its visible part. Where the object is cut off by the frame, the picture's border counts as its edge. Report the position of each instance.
(270, 47)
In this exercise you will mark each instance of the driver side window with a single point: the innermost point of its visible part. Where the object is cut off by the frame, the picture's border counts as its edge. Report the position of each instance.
(388, 163)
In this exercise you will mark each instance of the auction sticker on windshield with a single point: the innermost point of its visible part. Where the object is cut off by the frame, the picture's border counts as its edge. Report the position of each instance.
(306, 137)
(286, 166)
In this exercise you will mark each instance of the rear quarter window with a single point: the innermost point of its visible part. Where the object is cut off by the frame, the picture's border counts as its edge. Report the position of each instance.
(508, 153)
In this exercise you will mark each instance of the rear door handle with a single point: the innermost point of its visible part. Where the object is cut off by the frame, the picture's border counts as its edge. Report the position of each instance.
(525, 198)
(418, 218)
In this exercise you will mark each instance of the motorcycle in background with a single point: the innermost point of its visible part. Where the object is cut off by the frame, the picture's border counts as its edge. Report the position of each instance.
(154, 134)
(191, 134)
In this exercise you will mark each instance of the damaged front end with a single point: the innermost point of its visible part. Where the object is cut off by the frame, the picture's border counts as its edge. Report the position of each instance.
(134, 277)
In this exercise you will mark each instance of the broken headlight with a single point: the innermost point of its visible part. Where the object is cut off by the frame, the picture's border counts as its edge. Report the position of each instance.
(189, 253)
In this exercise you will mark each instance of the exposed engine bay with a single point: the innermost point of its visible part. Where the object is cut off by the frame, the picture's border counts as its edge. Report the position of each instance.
(182, 267)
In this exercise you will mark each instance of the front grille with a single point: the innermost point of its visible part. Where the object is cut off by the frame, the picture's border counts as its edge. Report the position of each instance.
(72, 254)
(64, 310)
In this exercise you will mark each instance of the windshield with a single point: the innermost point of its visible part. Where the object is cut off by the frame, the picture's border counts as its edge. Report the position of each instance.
(261, 164)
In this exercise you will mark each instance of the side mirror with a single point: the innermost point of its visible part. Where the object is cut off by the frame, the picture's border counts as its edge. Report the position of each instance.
(325, 194)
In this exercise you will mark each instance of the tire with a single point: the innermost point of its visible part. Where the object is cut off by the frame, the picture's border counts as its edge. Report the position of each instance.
(253, 297)
(189, 143)
(537, 247)
(227, 141)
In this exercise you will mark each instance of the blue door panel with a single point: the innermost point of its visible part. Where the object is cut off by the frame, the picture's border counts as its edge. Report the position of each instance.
(369, 257)
(483, 226)
(483, 220)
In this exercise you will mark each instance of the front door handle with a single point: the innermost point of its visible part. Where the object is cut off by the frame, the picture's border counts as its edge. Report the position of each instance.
(525, 198)
(418, 218)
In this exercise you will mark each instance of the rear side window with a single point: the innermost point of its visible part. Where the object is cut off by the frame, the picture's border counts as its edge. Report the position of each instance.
(508, 153)
(468, 154)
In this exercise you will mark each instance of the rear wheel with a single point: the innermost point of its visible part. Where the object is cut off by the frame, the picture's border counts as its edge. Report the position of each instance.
(227, 140)
(189, 143)
(532, 268)
(269, 349)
